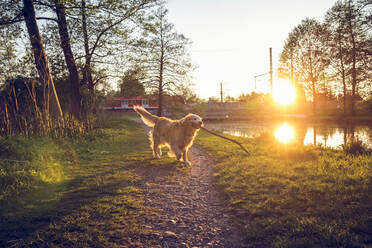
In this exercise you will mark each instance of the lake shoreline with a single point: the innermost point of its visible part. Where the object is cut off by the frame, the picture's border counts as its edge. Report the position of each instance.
(363, 120)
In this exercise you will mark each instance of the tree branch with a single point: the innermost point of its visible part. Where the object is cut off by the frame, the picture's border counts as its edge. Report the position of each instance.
(223, 137)
(126, 16)
(16, 20)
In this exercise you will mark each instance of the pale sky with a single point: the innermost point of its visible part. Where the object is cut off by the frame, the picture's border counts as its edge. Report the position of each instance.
(231, 38)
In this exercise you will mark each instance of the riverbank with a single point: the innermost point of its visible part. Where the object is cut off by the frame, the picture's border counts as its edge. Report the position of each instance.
(243, 116)
(294, 195)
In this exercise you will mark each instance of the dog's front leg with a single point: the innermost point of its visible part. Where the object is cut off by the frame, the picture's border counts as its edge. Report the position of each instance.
(157, 151)
(184, 157)
(175, 151)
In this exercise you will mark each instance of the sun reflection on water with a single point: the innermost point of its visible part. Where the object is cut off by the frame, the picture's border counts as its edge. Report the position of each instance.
(307, 134)
(285, 133)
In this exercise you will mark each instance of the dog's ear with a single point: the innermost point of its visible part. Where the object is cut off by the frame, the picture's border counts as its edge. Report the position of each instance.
(185, 120)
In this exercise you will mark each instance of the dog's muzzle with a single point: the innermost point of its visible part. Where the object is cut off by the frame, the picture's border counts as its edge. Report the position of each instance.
(198, 124)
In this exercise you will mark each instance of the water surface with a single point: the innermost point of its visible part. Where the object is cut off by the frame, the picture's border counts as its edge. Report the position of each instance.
(325, 134)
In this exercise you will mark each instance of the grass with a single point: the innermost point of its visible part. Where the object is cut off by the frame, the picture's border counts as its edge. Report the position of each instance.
(75, 192)
(83, 191)
(294, 195)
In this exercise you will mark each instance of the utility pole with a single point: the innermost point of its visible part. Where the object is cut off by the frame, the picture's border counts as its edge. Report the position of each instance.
(271, 71)
(221, 93)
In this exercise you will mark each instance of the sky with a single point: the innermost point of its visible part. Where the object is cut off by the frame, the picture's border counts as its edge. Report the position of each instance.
(231, 38)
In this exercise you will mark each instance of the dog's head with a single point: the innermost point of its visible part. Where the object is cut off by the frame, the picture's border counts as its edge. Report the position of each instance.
(192, 120)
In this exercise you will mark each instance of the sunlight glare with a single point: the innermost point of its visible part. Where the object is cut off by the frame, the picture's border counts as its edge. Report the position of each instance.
(285, 133)
(283, 92)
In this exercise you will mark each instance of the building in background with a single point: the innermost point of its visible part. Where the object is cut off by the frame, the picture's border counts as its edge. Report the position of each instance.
(127, 103)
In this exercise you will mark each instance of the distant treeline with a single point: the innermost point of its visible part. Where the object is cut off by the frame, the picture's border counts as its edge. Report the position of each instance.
(332, 58)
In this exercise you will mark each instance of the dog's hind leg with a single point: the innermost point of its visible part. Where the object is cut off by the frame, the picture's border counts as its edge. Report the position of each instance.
(156, 151)
(156, 146)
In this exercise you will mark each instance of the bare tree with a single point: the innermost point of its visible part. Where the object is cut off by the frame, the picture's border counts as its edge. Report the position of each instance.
(163, 56)
(304, 51)
(337, 51)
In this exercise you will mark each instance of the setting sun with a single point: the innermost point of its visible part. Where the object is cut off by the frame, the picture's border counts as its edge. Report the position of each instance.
(285, 133)
(283, 92)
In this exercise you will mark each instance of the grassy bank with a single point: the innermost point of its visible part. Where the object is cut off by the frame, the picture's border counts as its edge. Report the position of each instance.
(81, 192)
(78, 192)
(295, 196)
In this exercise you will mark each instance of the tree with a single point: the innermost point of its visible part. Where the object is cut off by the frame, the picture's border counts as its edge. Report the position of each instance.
(303, 55)
(101, 21)
(349, 47)
(8, 56)
(337, 50)
(163, 56)
(130, 84)
(75, 99)
(359, 40)
(11, 15)
(41, 61)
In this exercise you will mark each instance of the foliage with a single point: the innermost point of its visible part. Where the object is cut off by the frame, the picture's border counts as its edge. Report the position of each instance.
(130, 84)
(348, 47)
(355, 147)
(333, 56)
(93, 30)
(294, 195)
(302, 56)
(23, 112)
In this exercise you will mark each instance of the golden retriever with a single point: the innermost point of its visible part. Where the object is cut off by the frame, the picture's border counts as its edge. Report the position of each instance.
(178, 135)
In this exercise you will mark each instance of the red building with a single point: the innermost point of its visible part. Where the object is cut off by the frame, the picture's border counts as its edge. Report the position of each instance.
(121, 102)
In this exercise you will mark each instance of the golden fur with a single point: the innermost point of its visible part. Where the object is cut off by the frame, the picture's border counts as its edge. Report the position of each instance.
(178, 135)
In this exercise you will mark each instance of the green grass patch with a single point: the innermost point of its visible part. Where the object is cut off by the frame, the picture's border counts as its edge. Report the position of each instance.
(75, 192)
(294, 195)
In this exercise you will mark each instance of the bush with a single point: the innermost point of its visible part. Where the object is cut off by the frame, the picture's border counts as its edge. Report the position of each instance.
(355, 147)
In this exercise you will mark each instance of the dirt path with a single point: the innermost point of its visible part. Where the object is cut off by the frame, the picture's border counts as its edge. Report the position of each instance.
(185, 209)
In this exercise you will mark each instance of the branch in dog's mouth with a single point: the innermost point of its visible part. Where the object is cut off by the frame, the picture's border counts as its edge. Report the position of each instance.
(223, 137)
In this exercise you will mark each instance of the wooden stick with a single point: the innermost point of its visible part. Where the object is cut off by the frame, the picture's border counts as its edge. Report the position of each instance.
(223, 137)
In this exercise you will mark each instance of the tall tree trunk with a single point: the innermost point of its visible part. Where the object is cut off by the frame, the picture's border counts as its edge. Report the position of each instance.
(342, 69)
(87, 76)
(312, 83)
(160, 94)
(314, 96)
(161, 70)
(353, 57)
(75, 100)
(41, 60)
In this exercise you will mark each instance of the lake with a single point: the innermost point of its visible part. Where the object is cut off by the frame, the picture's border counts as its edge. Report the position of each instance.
(325, 134)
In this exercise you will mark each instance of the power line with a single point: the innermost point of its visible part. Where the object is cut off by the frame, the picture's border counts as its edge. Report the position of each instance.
(264, 74)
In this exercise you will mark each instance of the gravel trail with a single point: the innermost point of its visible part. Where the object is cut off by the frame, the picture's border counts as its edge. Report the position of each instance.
(184, 209)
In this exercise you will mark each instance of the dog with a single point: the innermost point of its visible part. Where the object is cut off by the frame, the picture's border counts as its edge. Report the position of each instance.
(177, 135)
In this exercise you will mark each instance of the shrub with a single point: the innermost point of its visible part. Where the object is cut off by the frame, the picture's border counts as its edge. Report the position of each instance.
(355, 147)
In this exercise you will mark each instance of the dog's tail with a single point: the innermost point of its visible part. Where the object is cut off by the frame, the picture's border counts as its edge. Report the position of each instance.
(146, 116)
